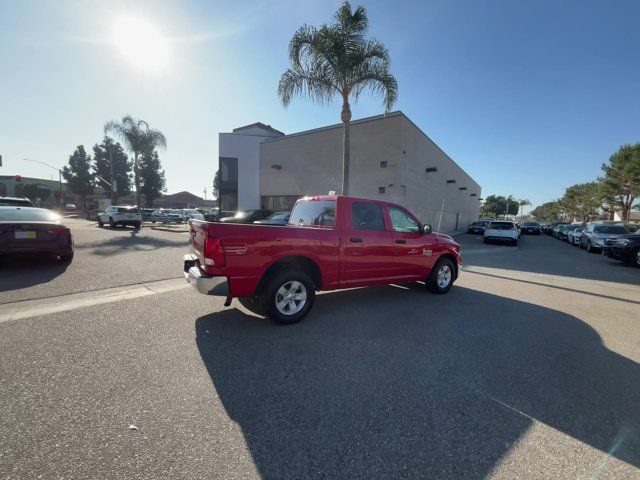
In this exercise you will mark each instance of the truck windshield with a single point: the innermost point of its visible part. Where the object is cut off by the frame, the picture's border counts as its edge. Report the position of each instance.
(314, 213)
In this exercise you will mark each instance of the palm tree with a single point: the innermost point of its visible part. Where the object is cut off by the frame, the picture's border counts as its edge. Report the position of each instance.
(138, 138)
(338, 59)
(522, 203)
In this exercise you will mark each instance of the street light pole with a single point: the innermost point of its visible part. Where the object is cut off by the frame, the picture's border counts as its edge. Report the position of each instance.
(55, 168)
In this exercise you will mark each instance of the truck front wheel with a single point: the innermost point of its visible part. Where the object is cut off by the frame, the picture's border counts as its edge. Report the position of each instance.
(441, 277)
(288, 296)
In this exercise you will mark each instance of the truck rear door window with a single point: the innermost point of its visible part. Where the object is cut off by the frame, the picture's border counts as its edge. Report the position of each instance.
(314, 213)
(367, 216)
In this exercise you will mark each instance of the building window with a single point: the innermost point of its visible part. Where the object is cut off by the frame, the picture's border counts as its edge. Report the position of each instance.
(279, 203)
(383, 164)
(228, 184)
(382, 189)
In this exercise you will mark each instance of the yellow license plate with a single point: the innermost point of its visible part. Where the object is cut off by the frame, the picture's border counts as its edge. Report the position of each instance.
(27, 234)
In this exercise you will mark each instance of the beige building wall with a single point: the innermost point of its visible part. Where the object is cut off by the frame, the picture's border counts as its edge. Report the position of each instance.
(310, 163)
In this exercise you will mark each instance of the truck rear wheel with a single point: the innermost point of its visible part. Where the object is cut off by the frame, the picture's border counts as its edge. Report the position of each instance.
(288, 296)
(442, 276)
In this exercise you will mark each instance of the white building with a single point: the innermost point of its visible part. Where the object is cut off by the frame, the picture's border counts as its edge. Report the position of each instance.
(391, 159)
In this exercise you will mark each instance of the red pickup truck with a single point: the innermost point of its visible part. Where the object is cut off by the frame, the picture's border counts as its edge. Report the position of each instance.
(331, 242)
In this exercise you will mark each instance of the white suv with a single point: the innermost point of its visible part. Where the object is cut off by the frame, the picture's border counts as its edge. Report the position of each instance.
(120, 215)
(502, 230)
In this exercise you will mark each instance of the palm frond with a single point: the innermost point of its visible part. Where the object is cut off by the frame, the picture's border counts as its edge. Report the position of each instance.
(355, 22)
(373, 76)
(312, 84)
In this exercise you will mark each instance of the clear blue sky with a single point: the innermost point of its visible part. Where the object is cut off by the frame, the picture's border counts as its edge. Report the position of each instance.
(528, 97)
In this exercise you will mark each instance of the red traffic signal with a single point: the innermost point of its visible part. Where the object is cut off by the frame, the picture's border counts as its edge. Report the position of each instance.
(18, 178)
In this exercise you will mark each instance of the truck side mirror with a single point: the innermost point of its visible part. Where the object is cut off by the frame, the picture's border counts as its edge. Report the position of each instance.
(427, 229)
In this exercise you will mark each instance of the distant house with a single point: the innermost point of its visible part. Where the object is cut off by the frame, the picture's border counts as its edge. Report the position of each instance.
(183, 200)
(634, 216)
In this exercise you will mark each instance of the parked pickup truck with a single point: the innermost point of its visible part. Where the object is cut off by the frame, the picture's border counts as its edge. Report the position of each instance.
(331, 242)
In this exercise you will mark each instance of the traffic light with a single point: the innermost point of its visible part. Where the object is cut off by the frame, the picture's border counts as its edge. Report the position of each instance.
(18, 178)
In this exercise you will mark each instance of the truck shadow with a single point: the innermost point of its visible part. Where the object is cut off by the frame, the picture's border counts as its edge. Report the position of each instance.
(391, 382)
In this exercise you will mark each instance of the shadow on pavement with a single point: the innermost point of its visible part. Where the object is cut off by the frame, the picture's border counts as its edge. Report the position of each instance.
(392, 382)
(131, 241)
(23, 271)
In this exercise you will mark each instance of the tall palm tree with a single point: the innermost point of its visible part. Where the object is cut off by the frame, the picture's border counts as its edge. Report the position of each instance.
(138, 138)
(338, 59)
(522, 203)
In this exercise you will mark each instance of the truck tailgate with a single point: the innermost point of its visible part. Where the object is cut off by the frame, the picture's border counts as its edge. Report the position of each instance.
(197, 238)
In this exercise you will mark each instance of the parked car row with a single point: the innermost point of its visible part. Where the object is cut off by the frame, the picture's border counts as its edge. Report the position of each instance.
(616, 240)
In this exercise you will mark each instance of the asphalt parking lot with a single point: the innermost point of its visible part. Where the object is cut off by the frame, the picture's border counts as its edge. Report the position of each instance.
(527, 368)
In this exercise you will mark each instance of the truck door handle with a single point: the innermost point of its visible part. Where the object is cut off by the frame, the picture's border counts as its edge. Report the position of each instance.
(355, 240)
(401, 241)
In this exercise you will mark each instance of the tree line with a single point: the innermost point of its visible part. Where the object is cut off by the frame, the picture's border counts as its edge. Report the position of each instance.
(142, 171)
(495, 206)
(616, 190)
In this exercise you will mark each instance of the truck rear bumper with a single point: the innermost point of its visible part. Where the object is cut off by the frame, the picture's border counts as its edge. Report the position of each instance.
(205, 284)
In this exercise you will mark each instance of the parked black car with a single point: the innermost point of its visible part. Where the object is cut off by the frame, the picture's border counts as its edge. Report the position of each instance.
(531, 228)
(278, 218)
(478, 227)
(247, 216)
(29, 231)
(625, 248)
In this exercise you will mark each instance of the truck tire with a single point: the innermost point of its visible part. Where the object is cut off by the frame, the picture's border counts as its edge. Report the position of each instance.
(442, 276)
(288, 296)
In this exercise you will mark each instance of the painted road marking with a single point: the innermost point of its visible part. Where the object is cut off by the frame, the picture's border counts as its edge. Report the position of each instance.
(63, 303)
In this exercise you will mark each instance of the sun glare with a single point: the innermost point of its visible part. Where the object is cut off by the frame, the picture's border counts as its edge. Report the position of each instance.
(141, 43)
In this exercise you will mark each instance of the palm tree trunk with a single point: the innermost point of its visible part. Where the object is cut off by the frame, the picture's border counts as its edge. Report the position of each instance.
(346, 145)
(136, 176)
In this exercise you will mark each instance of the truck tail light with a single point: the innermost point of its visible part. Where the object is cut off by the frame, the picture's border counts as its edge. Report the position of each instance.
(214, 252)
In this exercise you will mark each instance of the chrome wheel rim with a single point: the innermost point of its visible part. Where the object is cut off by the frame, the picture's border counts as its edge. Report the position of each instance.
(638, 257)
(291, 298)
(444, 276)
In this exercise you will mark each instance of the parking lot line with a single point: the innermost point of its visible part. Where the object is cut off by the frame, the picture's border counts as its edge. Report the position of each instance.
(33, 308)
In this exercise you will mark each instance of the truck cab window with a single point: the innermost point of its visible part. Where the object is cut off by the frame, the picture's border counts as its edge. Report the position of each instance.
(401, 221)
(367, 216)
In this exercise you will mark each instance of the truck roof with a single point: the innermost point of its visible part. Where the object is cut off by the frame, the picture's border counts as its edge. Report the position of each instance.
(335, 197)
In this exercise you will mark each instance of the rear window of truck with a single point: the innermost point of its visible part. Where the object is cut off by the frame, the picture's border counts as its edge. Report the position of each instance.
(315, 213)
